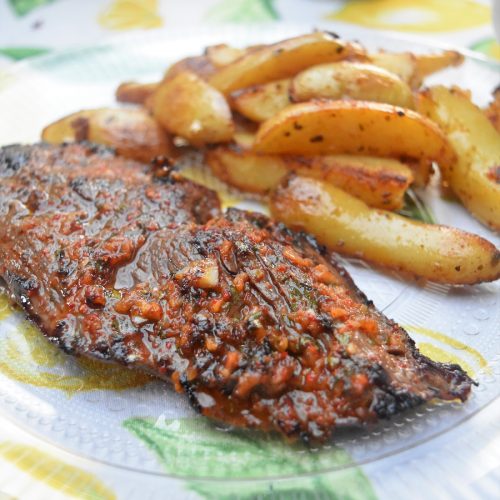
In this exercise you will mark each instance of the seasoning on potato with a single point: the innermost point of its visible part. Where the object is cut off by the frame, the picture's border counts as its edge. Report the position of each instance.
(347, 225)
(131, 131)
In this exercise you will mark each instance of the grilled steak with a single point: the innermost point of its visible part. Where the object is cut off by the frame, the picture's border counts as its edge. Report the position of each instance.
(258, 325)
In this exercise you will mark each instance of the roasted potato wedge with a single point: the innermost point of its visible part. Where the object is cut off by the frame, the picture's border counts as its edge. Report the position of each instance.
(422, 169)
(353, 127)
(475, 176)
(132, 132)
(379, 182)
(282, 60)
(189, 107)
(134, 92)
(199, 65)
(413, 68)
(223, 54)
(261, 102)
(348, 226)
(354, 80)
(427, 64)
(246, 170)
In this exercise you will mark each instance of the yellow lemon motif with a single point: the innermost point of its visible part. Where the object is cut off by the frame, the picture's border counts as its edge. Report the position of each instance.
(414, 15)
(66, 479)
(26, 356)
(471, 362)
(131, 14)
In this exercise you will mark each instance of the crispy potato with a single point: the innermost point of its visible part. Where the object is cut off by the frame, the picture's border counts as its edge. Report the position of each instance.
(74, 127)
(475, 177)
(223, 54)
(189, 107)
(245, 170)
(349, 79)
(379, 182)
(199, 65)
(132, 132)
(134, 92)
(282, 60)
(353, 127)
(427, 64)
(493, 110)
(413, 68)
(401, 64)
(261, 102)
(422, 169)
(348, 226)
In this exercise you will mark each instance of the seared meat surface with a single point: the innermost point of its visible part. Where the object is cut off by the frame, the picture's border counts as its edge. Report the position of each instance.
(256, 324)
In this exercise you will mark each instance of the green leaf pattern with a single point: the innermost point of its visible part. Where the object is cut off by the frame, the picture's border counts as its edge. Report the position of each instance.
(242, 11)
(195, 447)
(18, 53)
(23, 7)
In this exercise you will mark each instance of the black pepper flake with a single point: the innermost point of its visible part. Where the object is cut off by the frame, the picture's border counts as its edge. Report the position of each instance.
(287, 134)
(400, 113)
(340, 49)
(457, 268)
(297, 126)
(316, 138)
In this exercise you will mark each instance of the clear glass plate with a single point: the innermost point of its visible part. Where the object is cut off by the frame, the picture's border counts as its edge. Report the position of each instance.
(131, 422)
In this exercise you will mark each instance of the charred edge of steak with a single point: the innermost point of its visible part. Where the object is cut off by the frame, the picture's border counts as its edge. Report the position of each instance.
(175, 311)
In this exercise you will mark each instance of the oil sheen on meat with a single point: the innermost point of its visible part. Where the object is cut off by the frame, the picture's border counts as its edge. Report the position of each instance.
(257, 325)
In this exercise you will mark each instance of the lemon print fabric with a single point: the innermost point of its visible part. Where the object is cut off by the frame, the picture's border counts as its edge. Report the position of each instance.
(444, 349)
(66, 479)
(131, 14)
(242, 11)
(27, 357)
(489, 47)
(194, 447)
(414, 15)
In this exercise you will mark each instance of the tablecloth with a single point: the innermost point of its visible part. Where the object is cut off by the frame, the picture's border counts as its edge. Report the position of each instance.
(31, 468)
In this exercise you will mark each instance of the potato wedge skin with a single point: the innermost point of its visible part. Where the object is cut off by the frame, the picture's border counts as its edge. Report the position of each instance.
(427, 64)
(354, 80)
(475, 177)
(378, 182)
(353, 127)
(199, 65)
(135, 93)
(189, 107)
(345, 224)
(261, 102)
(282, 60)
(73, 127)
(132, 132)
(413, 68)
(402, 64)
(222, 54)
(246, 170)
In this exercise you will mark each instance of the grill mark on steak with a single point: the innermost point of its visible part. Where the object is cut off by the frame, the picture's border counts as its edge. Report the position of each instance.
(258, 325)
